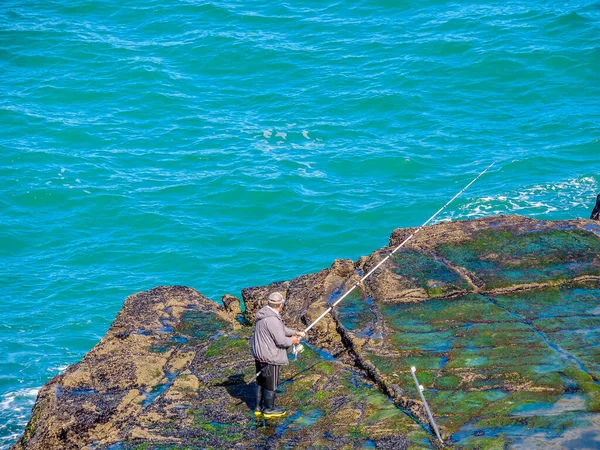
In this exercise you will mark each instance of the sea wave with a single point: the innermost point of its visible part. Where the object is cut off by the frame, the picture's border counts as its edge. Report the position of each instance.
(539, 200)
(16, 407)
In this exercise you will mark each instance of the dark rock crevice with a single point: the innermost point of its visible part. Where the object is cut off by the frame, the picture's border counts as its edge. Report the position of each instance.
(415, 407)
(469, 277)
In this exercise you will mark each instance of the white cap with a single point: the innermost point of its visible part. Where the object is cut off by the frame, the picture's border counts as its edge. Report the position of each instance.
(276, 297)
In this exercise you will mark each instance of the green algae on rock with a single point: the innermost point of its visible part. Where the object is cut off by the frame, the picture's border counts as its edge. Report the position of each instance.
(500, 316)
(171, 373)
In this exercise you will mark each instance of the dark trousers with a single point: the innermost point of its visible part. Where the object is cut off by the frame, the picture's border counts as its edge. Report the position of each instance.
(269, 375)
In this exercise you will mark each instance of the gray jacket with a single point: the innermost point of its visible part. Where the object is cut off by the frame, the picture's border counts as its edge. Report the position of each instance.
(271, 337)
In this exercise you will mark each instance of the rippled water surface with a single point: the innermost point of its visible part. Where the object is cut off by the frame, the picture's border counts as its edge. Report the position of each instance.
(221, 145)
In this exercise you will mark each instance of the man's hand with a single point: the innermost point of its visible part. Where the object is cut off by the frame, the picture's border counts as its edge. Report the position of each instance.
(295, 340)
(300, 333)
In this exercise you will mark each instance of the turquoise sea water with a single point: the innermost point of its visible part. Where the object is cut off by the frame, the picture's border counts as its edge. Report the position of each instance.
(221, 145)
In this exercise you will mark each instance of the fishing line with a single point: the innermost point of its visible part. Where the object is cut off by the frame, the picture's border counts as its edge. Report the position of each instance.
(396, 249)
(296, 349)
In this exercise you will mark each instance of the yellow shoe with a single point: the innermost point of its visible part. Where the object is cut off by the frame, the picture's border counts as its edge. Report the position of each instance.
(270, 410)
(272, 413)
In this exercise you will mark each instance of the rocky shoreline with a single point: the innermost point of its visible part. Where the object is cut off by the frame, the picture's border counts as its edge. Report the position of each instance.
(501, 317)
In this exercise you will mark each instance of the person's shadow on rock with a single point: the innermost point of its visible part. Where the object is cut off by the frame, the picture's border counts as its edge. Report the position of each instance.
(237, 387)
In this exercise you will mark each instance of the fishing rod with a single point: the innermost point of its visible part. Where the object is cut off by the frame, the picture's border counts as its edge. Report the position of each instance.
(298, 348)
(328, 310)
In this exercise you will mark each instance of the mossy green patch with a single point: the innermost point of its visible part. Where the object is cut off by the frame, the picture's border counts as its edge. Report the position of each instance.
(424, 271)
(201, 325)
(551, 303)
(225, 346)
(584, 345)
(571, 323)
(357, 314)
(31, 427)
(499, 334)
(501, 357)
(443, 314)
(535, 422)
(436, 341)
(506, 258)
(516, 400)
(322, 396)
(326, 368)
(396, 366)
(225, 432)
(587, 386)
(465, 404)
(357, 433)
(447, 382)
(483, 442)
(142, 446)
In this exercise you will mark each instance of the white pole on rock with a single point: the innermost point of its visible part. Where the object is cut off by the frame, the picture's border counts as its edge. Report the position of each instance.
(420, 388)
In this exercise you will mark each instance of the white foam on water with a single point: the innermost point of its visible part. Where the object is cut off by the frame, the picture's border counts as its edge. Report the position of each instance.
(16, 407)
(10, 397)
(541, 199)
(314, 174)
(281, 134)
(267, 133)
(305, 134)
(7, 441)
(58, 369)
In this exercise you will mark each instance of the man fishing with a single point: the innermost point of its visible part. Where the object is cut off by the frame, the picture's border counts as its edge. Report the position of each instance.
(269, 343)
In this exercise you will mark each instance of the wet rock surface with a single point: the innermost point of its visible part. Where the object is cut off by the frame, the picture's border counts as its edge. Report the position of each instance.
(500, 317)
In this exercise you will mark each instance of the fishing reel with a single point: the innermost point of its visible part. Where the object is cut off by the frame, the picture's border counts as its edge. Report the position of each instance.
(297, 349)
